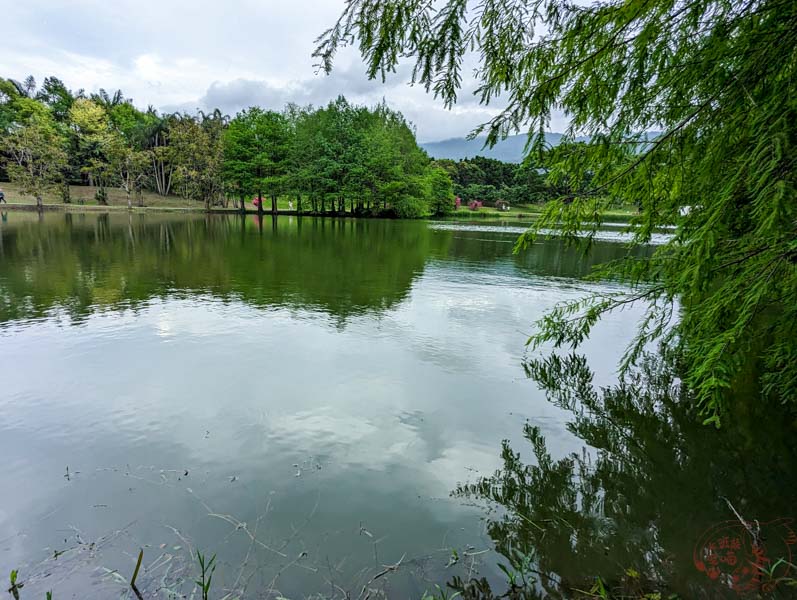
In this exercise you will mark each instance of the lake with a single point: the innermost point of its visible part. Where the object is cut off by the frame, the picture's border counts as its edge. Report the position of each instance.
(322, 404)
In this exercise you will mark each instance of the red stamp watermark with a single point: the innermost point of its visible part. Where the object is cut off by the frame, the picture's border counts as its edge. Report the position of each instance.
(747, 556)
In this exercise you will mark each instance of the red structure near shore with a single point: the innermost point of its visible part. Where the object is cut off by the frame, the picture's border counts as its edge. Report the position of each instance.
(475, 204)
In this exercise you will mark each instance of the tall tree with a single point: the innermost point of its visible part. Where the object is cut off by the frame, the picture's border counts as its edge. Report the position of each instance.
(37, 157)
(716, 78)
(95, 142)
(198, 151)
(155, 140)
(130, 167)
(256, 148)
(441, 191)
(238, 163)
(16, 106)
(57, 97)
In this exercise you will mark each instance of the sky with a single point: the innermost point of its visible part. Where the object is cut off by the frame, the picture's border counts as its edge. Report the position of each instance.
(187, 55)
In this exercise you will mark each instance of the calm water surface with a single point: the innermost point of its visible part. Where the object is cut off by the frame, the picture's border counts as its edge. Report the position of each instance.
(299, 398)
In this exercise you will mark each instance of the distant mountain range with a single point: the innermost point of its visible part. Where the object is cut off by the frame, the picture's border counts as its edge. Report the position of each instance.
(508, 150)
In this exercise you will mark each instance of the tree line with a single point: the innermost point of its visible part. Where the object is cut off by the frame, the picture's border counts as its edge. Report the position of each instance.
(490, 180)
(340, 158)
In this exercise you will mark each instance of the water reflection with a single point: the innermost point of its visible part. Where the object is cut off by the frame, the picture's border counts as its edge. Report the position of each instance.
(85, 262)
(609, 232)
(248, 355)
(655, 504)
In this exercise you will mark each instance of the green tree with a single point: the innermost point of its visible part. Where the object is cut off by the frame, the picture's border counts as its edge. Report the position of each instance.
(239, 151)
(198, 154)
(37, 157)
(717, 79)
(529, 184)
(256, 148)
(309, 156)
(95, 140)
(441, 191)
(16, 105)
(131, 168)
(155, 140)
(301, 155)
(272, 142)
(57, 97)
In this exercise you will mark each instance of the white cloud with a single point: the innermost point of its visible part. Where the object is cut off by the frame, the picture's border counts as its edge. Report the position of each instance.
(184, 55)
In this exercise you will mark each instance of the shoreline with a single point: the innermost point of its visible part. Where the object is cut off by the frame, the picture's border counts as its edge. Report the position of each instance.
(462, 216)
(77, 208)
(234, 211)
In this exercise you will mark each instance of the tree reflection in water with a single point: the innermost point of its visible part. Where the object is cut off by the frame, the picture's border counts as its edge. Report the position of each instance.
(654, 503)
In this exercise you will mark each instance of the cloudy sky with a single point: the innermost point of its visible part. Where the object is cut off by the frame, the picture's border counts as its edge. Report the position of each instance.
(184, 55)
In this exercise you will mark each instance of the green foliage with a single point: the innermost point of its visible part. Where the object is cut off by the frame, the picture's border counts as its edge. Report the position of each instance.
(491, 180)
(441, 191)
(15, 585)
(615, 511)
(197, 154)
(35, 156)
(717, 79)
(57, 97)
(94, 140)
(207, 568)
(101, 196)
(255, 147)
(339, 158)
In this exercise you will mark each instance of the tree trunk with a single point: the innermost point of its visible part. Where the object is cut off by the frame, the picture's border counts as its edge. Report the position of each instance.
(129, 201)
(39, 202)
(273, 205)
(243, 205)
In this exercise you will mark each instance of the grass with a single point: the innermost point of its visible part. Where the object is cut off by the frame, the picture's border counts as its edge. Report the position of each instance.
(206, 574)
(529, 212)
(116, 198)
(464, 214)
(83, 198)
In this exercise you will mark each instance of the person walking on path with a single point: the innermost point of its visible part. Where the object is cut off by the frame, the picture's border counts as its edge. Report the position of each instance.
(3, 196)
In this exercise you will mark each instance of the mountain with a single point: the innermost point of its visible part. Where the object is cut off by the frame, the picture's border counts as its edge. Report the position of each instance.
(508, 150)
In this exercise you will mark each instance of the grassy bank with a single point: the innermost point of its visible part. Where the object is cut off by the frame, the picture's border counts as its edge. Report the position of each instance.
(529, 213)
(83, 198)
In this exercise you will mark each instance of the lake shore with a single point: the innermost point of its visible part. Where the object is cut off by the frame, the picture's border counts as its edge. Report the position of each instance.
(83, 200)
(486, 216)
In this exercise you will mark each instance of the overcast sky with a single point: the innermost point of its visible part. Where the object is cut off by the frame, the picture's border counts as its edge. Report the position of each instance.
(184, 55)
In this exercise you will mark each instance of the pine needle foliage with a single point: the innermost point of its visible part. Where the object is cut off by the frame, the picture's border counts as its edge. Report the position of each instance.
(715, 79)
